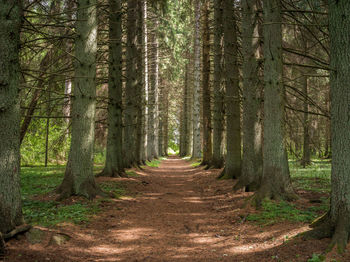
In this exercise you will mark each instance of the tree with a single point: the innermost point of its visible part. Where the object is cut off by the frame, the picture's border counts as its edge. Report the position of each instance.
(114, 163)
(276, 183)
(218, 107)
(336, 223)
(153, 121)
(79, 177)
(10, 196)
(206, 99)
(130, 112)
(252, 90)
(232, 99)
(196, 151)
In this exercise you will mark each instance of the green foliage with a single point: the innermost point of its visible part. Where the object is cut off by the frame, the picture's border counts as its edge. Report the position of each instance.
(38, 181)
(173, 146)
(131, 173)
(153, 163)
(196, 162)
(33, 145)
(50, 213)
(316, 258)
(273, 212)
(315, 178)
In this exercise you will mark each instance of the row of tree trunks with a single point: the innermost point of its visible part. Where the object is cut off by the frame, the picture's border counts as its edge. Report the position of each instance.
(252, 104)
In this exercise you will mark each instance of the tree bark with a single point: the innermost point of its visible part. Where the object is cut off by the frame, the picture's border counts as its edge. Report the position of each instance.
(130, 112)
(218, 107)
(114, 163)
(196, 151)
(206, 95)
(252, 91)
(79, 177)
(153, 121)
(276, 183)
(336, 223)
(10, 196)
(233, 110)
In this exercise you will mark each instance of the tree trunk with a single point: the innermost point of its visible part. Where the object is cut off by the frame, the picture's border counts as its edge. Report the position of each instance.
(233, 117)
(306, 160)
(145, 78)
(10, 196)
(153, 121)
(336, 222)
(140, 88)
(196, 151)
(206, 99)
(130, 112)
(276, 183)
(218, 109)
(252, 90)
(114, 163)
(185, 114)
(79, 177)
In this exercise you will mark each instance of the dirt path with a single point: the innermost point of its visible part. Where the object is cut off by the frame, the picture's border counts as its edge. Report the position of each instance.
(178, 213)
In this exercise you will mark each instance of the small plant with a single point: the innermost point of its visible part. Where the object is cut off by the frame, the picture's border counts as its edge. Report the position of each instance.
(316, 258)
(153, 163)
(196, 163)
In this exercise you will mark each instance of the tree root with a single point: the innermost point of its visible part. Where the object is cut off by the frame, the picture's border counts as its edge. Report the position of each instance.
(18, 230)
(111, 173)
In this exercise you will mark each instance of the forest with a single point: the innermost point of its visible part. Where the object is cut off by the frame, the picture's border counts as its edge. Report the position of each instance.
(174, 130)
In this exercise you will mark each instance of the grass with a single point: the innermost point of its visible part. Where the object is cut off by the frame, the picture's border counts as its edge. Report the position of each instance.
(154, 162)
(313, 178)
(38, 181)
(196, 162)
(273, 212)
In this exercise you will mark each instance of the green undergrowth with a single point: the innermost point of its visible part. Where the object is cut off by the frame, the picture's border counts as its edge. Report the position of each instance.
(154, 162)
(131, 173)
(314, 178)
(40, 209)
(273, 212)
(196, 162)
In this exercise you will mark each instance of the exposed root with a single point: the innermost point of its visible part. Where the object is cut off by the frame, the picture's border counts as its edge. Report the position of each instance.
(18, 230)
(222, 174)
(110, 173)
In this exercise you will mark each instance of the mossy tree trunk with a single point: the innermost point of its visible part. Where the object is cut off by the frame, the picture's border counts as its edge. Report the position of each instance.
(336, 223)
(232, 99)
(252, 90)
(114, 163)
(276, 183)
(218, 105)
(10, 196)
(79, 177)
(206, 94)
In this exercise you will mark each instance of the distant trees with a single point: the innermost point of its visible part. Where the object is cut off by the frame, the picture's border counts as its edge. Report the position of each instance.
(10, 197)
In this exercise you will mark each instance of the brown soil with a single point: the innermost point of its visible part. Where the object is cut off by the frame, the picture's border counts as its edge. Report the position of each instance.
(175, 213)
